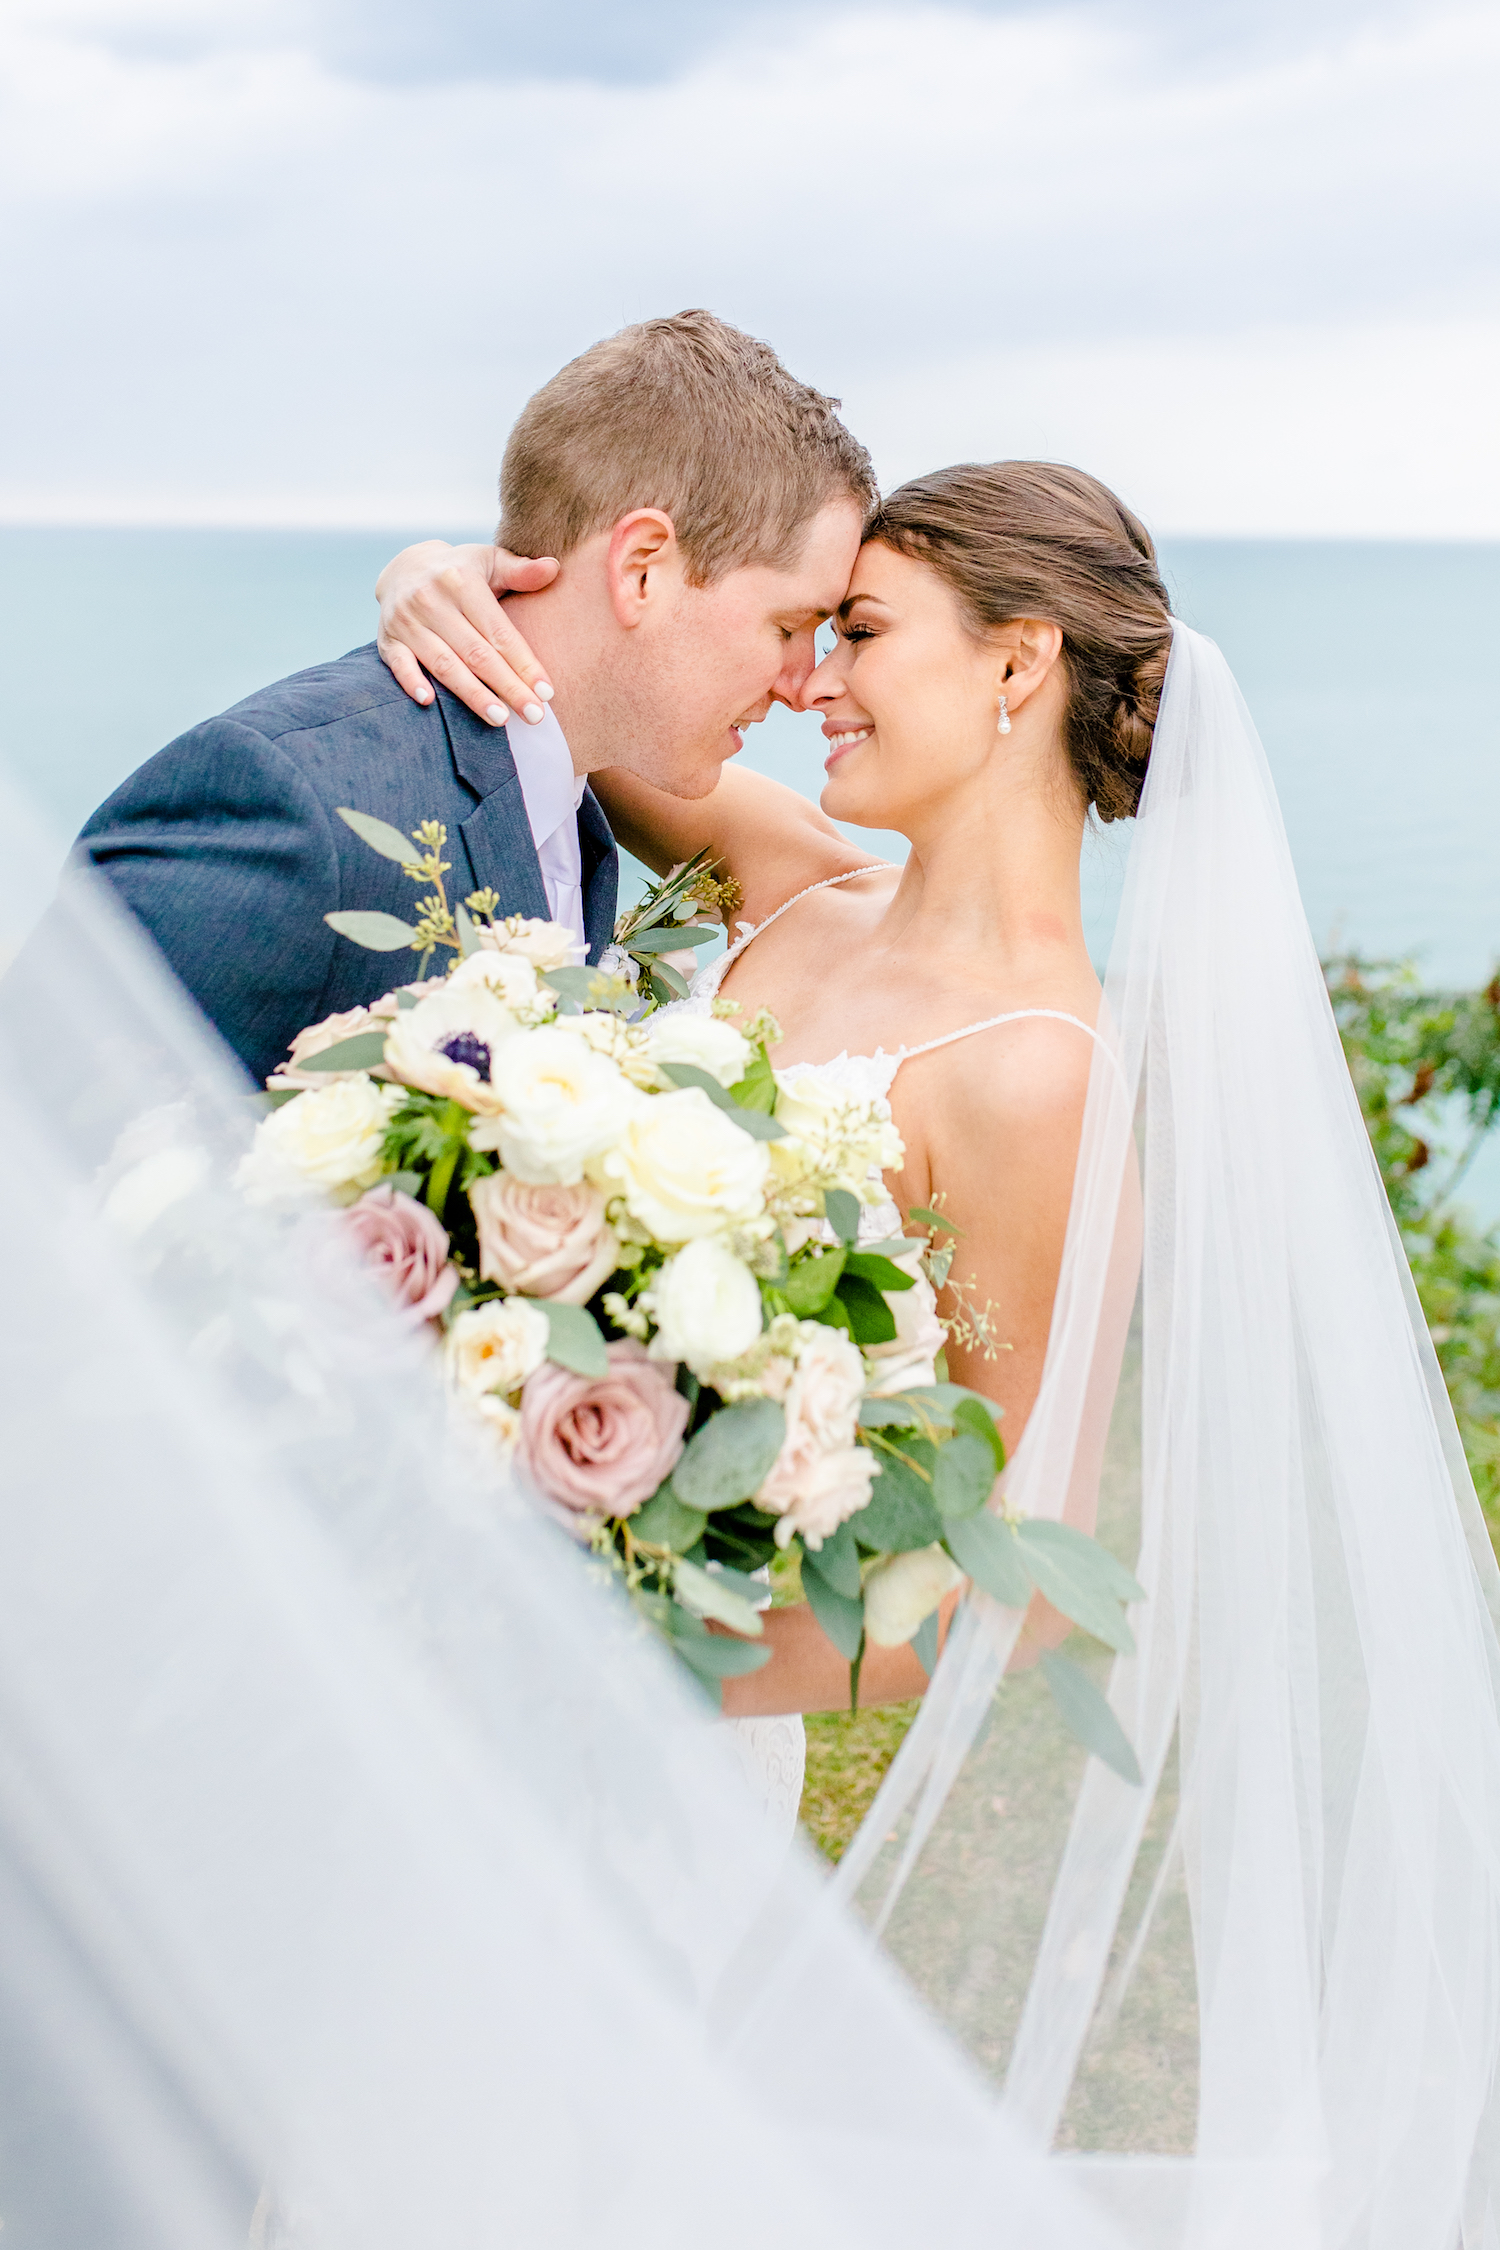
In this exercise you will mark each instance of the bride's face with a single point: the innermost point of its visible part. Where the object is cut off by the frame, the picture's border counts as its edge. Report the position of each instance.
(907, 696)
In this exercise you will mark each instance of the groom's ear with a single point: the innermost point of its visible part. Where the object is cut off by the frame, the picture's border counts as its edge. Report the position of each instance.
(643, 565)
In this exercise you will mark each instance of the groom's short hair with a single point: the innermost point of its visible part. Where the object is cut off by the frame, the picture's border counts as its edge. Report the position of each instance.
(690, 416)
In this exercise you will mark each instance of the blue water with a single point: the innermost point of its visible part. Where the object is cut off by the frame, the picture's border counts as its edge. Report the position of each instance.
(1369, 667)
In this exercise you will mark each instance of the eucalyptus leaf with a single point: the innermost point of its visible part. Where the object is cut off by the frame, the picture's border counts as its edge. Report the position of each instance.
(881, 1273)
(811, 1282)
(405, 1183)
(362, 1052)
(378, 933)
(924, 1642)
(382, 837)
(974, 1416)
(1038, 1531)
(871, 1320)
(1088, 1717)
(758, 1088)
(664, 1521)
(728, 1459)
(666, 982)
(963, 1477)
(714, 1656)
(836, 1561)
(900, 1514)
(841, 1209)
(1074, 1582)
(751, 1121)
(707, 1595)
(985, 1547)
(591, 988)
(405, 1000)
(926, 1218)
(841, 1619)
(574, 1338)
(282, 1095)
(468, 936)
(672, 937)
(898, 1413)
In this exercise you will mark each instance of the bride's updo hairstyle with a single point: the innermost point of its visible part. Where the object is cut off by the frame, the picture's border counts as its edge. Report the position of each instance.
(1035, 539)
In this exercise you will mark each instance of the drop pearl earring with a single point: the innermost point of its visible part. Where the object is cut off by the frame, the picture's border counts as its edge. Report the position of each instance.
(1003, 724)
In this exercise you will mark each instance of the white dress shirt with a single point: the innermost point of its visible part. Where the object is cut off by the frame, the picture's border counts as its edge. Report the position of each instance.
(552, 793)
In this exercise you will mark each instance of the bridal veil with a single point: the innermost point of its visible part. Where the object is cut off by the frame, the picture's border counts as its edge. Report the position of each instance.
(361, 1865)
(1257, 1998)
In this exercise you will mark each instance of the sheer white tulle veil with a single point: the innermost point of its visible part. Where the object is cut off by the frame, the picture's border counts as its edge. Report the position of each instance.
(362, 1866)
(1258, 1998)
(367, 1878)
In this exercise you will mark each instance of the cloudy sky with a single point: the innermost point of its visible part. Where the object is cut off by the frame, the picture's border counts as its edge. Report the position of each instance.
(298, 261)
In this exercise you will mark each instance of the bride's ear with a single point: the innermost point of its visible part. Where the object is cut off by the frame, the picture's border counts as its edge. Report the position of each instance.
(641, 561)
(1028, 649)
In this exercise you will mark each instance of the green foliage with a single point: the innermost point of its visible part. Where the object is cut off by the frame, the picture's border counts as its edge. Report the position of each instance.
(1426, 1068)
(574, 1338)
(731, 1455)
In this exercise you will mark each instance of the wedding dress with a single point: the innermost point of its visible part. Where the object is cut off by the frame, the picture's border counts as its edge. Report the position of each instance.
(773, 1749)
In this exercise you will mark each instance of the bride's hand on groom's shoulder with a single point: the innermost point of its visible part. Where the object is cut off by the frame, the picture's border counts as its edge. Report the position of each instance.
(440, 614)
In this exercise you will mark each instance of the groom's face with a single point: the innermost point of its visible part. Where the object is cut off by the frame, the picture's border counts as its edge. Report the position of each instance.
(723, 654)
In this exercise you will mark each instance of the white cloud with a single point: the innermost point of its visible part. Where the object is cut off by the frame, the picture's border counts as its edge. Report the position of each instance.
(1252, 289)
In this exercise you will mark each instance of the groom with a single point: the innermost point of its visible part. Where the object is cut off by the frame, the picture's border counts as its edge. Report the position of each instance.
(705, 510)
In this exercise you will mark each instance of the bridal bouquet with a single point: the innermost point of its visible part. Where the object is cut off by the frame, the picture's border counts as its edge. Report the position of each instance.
(637, 1247)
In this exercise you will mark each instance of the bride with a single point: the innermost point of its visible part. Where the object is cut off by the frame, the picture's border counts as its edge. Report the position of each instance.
(1260, 1991)
(999, 657)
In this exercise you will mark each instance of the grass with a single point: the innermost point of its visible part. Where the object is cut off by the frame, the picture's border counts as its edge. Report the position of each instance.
(847, 1755)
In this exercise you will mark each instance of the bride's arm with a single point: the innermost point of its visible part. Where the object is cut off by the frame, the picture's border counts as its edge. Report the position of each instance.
(771, 841)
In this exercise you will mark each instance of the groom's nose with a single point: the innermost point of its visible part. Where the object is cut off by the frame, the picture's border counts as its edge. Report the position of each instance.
(790, 684)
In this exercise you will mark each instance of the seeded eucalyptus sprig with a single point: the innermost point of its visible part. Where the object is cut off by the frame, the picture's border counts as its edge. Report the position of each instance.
(437, 923)
(651, 927)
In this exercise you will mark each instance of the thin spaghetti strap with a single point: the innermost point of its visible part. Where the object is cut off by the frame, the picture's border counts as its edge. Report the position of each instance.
(1015, 1015)
(753, 930)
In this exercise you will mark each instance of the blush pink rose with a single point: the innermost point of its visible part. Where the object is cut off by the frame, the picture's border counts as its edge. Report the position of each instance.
(543, 1241)
(407, 1246)
(601, 1444)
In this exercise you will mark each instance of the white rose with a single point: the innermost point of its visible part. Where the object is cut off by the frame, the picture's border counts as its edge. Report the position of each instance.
(704, 1041)
(494, 1347)
(825, 1493)
(706, 1303)
(842, 1139)
(149, 1189)
(510, 976)
(909, 1361)
(546, 945)
(447, 1043)
(684, 1168)
(903, 1590)
(329, 1139)
(560, 1105)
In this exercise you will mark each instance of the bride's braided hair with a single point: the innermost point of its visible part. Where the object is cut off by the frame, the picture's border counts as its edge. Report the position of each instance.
(1035, 539)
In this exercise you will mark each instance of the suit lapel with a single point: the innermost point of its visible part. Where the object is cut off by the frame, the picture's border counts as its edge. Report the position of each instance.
(496, 834)
(601, 874)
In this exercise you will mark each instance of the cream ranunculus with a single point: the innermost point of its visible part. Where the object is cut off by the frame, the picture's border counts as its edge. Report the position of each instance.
(707, 1307)
(842, 1139)
(330, 1139)
(510, 976)
(903, 1590)
(447, 1044)
(494, 1347)
(705, 1041)
(546, 945)
(559, 1103)
(684, 1168)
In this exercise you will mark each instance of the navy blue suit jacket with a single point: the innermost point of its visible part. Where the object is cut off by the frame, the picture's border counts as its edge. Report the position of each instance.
(228, 847)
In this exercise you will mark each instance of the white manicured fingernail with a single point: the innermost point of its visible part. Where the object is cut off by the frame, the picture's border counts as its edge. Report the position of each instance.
(497, 714)
(543, 688)
(533, 714)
